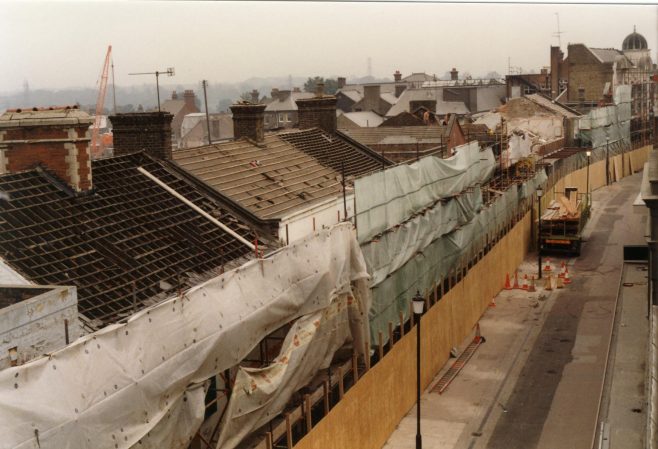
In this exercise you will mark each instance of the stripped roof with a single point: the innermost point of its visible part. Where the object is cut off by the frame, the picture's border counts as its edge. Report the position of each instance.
(269, 179)
(424, 94)
(335, 151)
(129, 232)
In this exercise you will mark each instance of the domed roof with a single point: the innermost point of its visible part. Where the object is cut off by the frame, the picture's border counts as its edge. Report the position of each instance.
(634, 41)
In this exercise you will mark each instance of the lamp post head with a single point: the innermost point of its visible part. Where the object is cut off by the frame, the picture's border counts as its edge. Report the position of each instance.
(540, 192)
(418, 303)
(588, 153)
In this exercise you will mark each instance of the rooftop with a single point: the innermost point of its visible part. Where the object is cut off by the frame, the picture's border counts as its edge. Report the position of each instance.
(128, 232)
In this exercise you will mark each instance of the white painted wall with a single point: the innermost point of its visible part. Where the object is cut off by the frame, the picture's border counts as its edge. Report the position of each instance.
(325, 214)
(35, 326)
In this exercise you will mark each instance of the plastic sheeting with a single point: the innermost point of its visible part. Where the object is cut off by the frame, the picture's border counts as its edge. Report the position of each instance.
(414, 256)
(141, 382)
(387, 198)
(519, 147)
(609, 124)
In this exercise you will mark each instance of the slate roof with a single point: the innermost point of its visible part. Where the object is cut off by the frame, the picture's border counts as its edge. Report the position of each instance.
(424, 94)
(128, 230)
(288, 104)
(554, 106)
(364, 119)
(606, 55)
(172, 106)
(398, 134)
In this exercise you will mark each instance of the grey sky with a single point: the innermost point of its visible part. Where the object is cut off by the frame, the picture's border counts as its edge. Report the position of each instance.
(63, 44)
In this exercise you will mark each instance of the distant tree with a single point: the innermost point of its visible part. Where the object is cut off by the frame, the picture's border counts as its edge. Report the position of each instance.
(224, 104)
(245, 96)
(127, 108)
(330, 84)
(493, 75)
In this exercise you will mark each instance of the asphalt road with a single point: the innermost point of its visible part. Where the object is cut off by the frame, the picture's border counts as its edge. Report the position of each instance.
(555, 399)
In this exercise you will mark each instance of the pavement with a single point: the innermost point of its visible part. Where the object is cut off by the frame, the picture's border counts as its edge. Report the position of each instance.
(539, 381)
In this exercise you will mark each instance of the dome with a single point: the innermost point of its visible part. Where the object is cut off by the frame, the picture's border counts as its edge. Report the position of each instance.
(634, 41)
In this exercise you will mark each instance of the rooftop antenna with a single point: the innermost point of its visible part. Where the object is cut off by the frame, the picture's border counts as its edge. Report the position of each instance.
(559, 33)
(157, 73)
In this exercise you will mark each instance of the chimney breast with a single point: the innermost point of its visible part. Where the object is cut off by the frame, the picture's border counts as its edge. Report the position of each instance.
(317, 112)
(248, 121)
(142, 131)
(454, 74)
(190, 98)
(55, 138)
(397, 76)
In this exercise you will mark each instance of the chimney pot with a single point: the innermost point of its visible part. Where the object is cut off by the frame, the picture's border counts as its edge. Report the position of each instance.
(397, 76)
(454, 74)
(255, 96)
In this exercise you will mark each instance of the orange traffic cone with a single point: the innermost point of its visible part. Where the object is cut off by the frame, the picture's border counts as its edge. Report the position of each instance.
(516, 280)
(507, 286)
(493, 302)
(560, 282)
(531, 287)
(524, 286)
(562, 269)
(567, 277)
(547, 265)
(548, 286)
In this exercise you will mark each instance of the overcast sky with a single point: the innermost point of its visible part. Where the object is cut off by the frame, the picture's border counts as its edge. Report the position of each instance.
(63, 44)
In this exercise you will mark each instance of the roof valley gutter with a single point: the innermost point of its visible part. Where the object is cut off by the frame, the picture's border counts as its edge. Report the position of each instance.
(195, 207)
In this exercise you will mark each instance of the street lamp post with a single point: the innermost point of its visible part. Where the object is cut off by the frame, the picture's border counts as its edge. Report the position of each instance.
(418, 304)
(607, 161)
(589, 155)
(540, 192)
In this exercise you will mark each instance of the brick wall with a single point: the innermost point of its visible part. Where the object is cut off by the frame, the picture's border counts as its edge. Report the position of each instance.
(142, 131)
(248, 121)
(585, 71)
(318, 112)
(62, 149)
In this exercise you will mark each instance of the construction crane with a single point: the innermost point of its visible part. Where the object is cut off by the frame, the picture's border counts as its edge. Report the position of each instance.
(96, 149)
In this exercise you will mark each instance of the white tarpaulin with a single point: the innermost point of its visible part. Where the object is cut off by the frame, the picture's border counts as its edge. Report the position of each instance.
(388, 198)
(140, 382)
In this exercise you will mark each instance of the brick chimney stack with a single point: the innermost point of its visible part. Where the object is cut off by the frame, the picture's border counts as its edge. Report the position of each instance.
(318, 112)
(142, 131)
(248, 121)
(454, 74)
(190, 98)
(56, 139)
(397, 76)
(341, 82)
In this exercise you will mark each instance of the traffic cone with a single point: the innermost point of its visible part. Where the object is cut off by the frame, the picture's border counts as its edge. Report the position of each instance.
(524, 286)
(516, 280)
(493, 302)
(531, 287)
(567, 277)
(547, 265)
(562, 269)
(507, 286)
(560, 282)
(548, 286)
